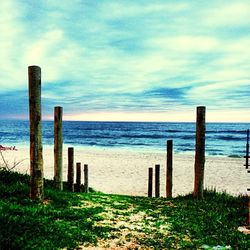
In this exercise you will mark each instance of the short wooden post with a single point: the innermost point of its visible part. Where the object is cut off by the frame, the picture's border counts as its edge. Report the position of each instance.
(58, 148)
(78, 177)
(199, 153)
(247, 150)
(86, 178)
(71, 169)
(36, 150)
(157, 180)
(150, 182)
(169, 182)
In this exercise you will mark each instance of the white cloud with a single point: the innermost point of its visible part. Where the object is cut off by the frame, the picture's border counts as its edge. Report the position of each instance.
(238, 47)
(10, 30)
(119, 10)
(219, 94)
(187, 44)
(43, 48)
(233, 13)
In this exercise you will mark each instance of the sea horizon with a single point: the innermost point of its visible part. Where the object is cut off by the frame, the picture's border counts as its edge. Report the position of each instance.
(119, 121)
(222, 139)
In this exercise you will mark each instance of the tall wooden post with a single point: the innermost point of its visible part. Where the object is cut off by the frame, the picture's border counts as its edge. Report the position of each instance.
(169, 182)
(86, 179)
(150, 182)
(247, 150)
(36, 150)
(58, 148)
(157, 180)
(78, 177)
(248, 214)
(199, 153)
(71, 169)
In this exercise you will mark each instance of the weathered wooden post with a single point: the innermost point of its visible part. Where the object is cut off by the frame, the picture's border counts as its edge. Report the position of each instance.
(58, 148)
(36, 150)
(169, 182)
(78, 177)
(247, 150)
(248, 215)
(71, 169)
(199, 153)
(157, 180)
(150, 182)
(86, 178)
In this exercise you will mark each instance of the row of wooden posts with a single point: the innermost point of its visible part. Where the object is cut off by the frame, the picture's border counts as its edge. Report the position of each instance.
(169, 178)
(36, 159)
(199, 165)
(36, 150)
(36, 154)
(70, 178)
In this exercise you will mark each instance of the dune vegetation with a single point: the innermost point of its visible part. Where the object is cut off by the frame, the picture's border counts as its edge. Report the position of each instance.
(66, 220)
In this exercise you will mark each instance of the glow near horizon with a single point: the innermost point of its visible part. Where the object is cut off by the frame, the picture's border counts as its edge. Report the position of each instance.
(134, 61)
(211, 116)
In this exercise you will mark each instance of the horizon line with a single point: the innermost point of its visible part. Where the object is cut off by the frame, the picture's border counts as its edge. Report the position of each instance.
(120, 121)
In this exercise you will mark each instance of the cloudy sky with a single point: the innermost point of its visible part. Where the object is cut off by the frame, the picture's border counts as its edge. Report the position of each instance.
(127, 59)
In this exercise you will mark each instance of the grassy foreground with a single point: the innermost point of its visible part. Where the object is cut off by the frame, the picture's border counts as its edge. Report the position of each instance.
(69, 220)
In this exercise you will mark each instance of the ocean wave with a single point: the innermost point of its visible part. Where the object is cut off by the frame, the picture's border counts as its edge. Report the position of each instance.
(175, 131)
(225, 131)
(187, 137)
(143, 136)
(228, 138)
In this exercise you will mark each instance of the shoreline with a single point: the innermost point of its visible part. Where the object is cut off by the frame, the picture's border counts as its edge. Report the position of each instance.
(117, 171)
(132, 149)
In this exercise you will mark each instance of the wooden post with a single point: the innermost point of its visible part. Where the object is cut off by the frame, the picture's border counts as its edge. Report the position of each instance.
(199, 153)
(36, 150)
(86, 179)
(71, 169)
(157, 180)
(248, 215)
(58, 148)
(247, 150)
(169, 182)
(78, 177)
(150, 182)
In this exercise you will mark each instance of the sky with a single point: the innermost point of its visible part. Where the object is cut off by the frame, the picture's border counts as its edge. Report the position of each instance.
(127, 60)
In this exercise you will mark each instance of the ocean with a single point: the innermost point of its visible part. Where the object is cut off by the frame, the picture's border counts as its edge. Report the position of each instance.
(222, 139)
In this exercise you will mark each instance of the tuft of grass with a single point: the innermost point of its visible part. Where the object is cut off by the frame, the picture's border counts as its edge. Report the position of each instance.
(67, 220)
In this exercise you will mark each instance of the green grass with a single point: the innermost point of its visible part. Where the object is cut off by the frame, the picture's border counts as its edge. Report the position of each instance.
(67, 220)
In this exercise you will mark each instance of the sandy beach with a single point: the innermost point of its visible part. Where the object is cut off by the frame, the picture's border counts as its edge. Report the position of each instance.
(126, 172)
